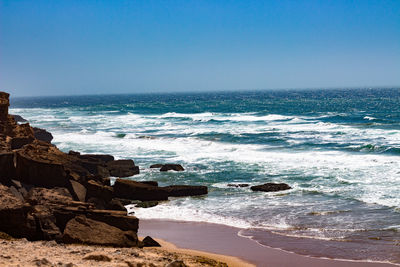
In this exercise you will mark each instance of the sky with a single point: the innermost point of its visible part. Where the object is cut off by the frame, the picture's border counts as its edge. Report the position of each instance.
(69, 47)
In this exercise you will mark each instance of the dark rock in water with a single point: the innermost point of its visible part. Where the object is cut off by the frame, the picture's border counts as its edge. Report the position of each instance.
(150, 242)
(146, 204)
(122, 168)
(18, 118)
(7, 168)
(138, 191)
(185, 190)
(270, 187)
(77, 190)
(238, 185)
(173, 167)
(156, 166)
(102, 157)
(82, 230)
(153, 183)
(42, 135)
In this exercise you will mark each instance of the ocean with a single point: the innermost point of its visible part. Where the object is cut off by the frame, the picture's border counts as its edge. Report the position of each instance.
(338, 149)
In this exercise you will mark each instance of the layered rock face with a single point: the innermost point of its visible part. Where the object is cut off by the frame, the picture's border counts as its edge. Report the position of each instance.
(43, 189)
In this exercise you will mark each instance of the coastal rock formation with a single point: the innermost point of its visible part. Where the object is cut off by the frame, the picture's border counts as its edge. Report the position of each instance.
(122, 168)
(270, 187)
(14, 214)
(82, 230)
(138, 191)
(42, 135)
(185, 190)
(46, 194)
(7, 168)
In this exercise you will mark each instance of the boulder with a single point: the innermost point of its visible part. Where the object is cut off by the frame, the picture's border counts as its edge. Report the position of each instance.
(173, 167)
(185, 190)
(97, 190)
(82, 230)
(7, 168)
(118, 219)
(14, 215)
(33, 170)
(77, 190)
(46, 228)
(150, 242)
(122, 168)
(128, 189)
(42, 135)
(270, 187)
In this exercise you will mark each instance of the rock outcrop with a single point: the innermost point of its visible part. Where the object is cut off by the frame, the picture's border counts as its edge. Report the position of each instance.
(138, 191)
(82, 230)
(185, 190)
(270, 187)
(42, 135)
(122, 168)
(46, 194)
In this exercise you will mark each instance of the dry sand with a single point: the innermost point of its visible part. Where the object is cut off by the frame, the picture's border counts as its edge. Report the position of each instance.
(21, 252)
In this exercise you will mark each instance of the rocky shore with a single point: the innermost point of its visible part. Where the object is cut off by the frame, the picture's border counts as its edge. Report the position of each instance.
(67, 198)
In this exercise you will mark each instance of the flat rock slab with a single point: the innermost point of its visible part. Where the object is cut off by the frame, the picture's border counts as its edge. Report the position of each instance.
(82, 230)
(185, 190)
(129, 189)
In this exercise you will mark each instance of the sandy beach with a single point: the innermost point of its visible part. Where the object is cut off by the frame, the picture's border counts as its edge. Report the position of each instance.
(20, 252)
(224, 240)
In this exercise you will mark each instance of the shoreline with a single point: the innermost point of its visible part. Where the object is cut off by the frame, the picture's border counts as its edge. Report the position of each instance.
(225, 240)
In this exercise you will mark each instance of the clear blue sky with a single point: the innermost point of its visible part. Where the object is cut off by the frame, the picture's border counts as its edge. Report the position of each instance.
(89, 47)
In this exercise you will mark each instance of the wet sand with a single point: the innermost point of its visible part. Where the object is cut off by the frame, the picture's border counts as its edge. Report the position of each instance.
(221, 239)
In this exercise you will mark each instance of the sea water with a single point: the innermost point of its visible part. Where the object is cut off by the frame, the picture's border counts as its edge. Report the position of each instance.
(339, 150)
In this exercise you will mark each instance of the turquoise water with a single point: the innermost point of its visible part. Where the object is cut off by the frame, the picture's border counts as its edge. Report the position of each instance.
(338, 149)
